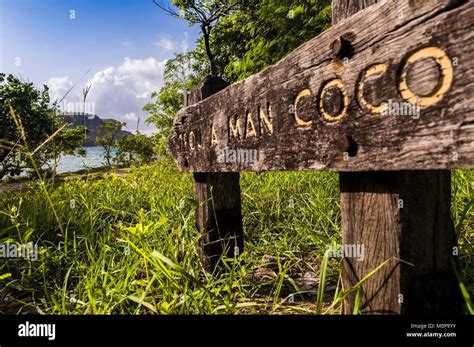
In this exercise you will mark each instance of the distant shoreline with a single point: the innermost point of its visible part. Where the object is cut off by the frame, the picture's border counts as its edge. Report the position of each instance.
(20, 183)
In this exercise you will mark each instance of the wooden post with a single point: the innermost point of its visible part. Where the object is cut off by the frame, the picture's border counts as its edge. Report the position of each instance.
(218, 214)
(335, 110)
(403, 215)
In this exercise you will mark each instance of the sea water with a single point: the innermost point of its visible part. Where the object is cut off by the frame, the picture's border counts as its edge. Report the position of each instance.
(94, 159)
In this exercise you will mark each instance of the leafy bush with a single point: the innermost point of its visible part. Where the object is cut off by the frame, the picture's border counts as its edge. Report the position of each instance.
(135, 150)
(32, 133)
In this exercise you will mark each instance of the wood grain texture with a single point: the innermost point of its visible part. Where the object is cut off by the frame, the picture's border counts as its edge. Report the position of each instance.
(343, 9)
(218, 215)
(307, 137)
(399, 215)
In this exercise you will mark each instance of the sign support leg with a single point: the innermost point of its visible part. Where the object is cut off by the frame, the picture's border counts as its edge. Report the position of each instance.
(403, 215)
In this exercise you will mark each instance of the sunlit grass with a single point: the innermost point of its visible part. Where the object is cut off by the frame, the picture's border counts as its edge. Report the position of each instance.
(128, 245)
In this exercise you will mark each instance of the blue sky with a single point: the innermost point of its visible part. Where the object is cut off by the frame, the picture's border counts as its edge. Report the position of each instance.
(124, 43)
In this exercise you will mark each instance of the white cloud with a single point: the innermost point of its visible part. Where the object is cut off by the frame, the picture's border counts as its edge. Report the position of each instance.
(125, 89)
(165, 45)
(58, 87)
(118, 92)
(185, 43)
(130, 116)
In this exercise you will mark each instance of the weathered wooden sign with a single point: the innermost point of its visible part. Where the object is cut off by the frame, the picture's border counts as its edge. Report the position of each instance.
(387, 96)
(388, 89)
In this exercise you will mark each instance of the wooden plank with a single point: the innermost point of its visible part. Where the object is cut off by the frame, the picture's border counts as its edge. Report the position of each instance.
(382, 56)
(398, 215)
(218, 215)
(343, 9)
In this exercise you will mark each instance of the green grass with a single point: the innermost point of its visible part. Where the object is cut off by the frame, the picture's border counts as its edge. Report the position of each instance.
(128, 245)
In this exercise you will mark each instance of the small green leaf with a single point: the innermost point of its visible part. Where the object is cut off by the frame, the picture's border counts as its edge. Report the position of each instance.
(2, 277)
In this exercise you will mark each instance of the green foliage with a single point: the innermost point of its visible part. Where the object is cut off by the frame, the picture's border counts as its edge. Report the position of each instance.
(203, 11)
(207, 14)
(69, 141)
(37, 120)
(248, 36)
(108, 136)
(128, 246)
(135, 150)
(181, 73)
(40, 124)
(262, 32)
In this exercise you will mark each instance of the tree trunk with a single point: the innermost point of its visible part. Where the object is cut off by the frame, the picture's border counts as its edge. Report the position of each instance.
(206, 31)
